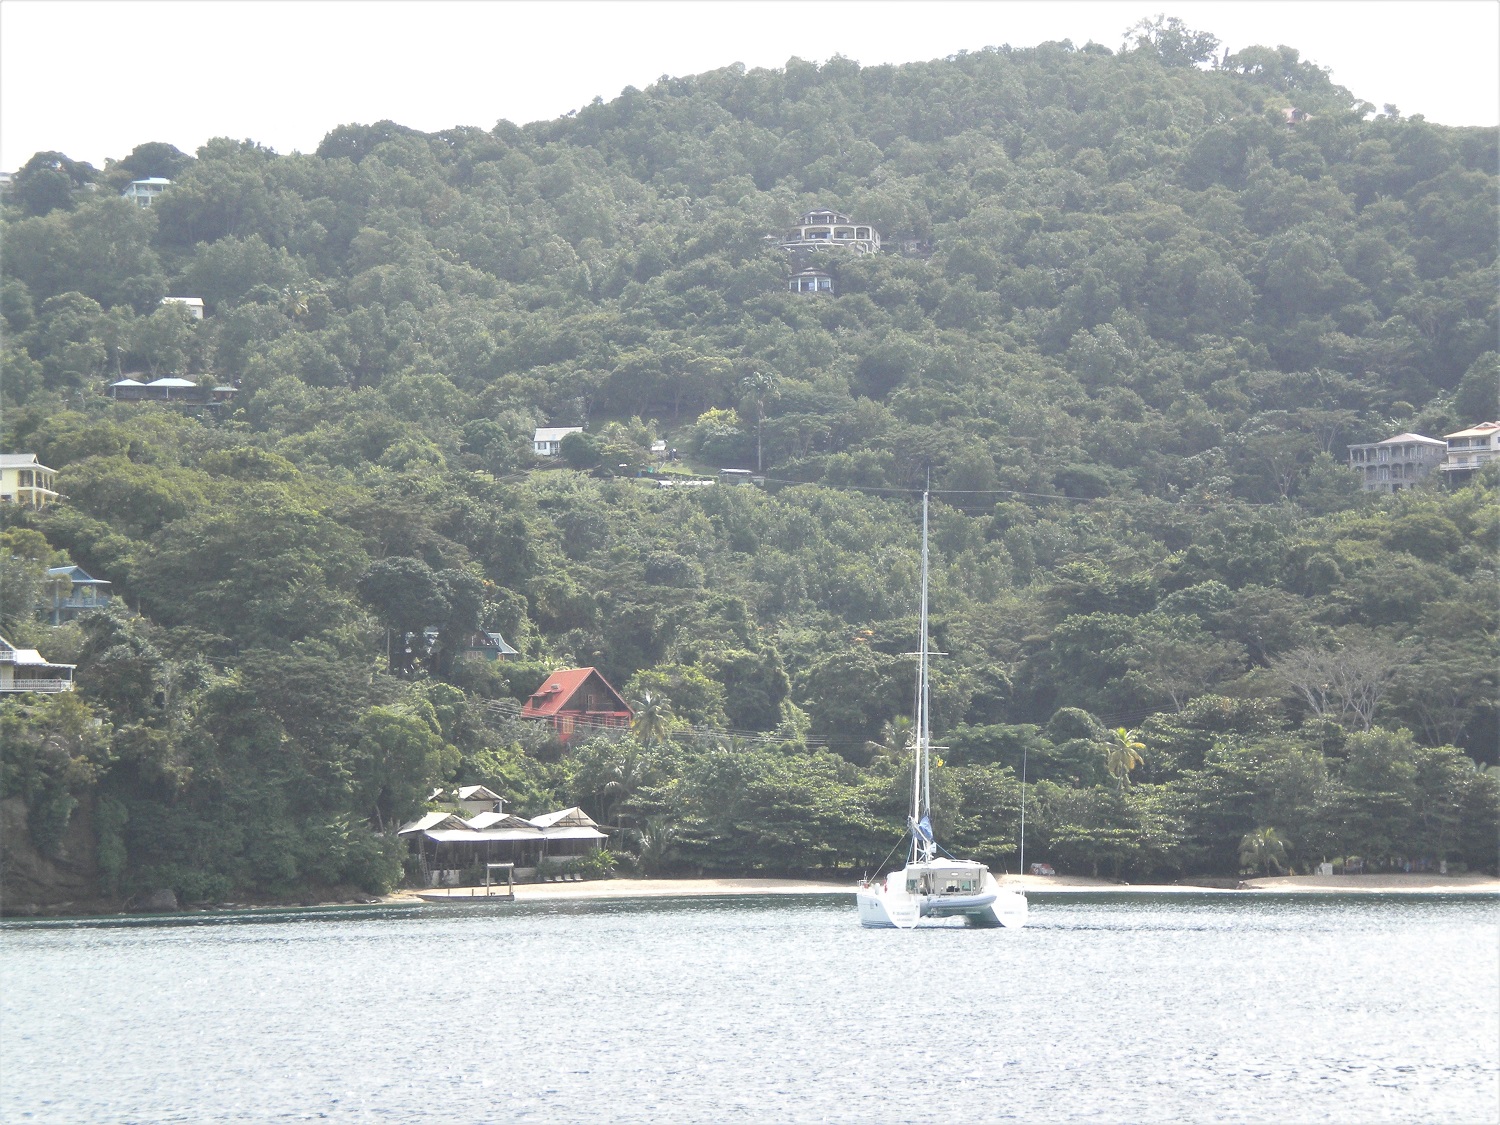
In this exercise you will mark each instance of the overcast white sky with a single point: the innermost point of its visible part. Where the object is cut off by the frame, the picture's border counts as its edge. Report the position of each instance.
(95, 78)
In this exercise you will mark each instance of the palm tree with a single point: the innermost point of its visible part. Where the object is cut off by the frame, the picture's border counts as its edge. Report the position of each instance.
(1122, 753)
(653, 717)
(1263, 848)
(895, 739)
(656, 837)
(623, 776)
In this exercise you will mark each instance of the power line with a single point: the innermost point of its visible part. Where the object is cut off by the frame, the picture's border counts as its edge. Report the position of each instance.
(513, 711)
(1150, 501)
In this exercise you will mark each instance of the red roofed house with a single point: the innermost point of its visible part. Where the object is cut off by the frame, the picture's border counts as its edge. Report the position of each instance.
(577, 696)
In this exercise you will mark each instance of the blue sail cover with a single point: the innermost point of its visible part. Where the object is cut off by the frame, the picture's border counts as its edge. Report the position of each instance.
(923, 828)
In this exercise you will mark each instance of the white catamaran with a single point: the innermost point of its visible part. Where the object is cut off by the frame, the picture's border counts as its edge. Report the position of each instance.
(930, 886)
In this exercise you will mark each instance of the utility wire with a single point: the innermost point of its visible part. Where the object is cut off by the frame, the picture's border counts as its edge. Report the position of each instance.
(513, 711)
(1149, 501)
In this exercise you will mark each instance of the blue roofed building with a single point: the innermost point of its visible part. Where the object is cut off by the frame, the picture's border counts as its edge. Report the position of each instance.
(71, 590)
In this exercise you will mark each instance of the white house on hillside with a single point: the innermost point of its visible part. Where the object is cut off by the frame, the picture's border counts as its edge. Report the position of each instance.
(822, 230)
(1468, 449)
(194, 305)
(143, 193)
(548, 440)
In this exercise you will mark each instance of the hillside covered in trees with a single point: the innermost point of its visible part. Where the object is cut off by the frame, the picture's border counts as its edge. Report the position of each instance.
(1131, 308)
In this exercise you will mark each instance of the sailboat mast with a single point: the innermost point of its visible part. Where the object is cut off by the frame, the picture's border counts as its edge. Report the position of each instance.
(922, 794)
(916, 765)
(924, 729)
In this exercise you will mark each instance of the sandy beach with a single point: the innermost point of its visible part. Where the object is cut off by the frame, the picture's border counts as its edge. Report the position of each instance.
(643, 888)
(1377, 884)
(707, 888)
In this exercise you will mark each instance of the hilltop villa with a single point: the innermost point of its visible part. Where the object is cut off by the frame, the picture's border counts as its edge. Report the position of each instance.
(821, 230)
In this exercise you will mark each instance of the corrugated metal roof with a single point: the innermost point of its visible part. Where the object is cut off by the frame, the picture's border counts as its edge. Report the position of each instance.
(460, 835)
(487, 820)
(29, 657)
(492, 641)
(574, 834)
(1481, 430)
(561, 686)
(79, 576)
(565, 818)
(1407, 439)
(423, 823)
(477, 793)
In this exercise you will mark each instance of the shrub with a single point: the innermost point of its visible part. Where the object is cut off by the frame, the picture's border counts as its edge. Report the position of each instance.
(599, 864)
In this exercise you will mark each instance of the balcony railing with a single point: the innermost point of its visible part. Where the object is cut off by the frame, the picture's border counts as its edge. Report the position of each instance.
(38, 685)
(81, 603)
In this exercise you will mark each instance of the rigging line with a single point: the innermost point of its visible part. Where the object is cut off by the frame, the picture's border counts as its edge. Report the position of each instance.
(890, 853)
(1228, 502)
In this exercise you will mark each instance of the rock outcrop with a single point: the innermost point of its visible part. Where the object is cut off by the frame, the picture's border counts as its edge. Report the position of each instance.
(32, 881)
(157, 902)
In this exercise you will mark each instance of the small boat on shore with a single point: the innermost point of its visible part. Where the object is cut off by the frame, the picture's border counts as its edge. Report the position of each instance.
(492, 890)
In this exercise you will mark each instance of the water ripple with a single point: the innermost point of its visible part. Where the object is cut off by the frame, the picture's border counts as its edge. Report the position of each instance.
(1178, 1008)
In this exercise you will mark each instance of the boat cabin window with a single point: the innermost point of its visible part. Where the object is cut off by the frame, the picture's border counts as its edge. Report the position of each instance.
(953, 881)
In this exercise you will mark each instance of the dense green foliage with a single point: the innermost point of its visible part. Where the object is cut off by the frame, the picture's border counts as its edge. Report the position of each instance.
(1127, 318)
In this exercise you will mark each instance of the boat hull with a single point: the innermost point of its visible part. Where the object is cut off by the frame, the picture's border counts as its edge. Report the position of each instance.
(882, 906)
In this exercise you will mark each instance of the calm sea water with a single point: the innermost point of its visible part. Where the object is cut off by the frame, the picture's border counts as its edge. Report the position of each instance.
(1170, 1008)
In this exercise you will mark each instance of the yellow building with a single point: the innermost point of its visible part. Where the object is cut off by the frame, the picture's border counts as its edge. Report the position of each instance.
(25, 480)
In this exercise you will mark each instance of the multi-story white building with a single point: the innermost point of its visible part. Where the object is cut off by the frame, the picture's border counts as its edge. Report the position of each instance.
(144, 192)
(1396, 463)
(1471, 448)
(820, 230)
